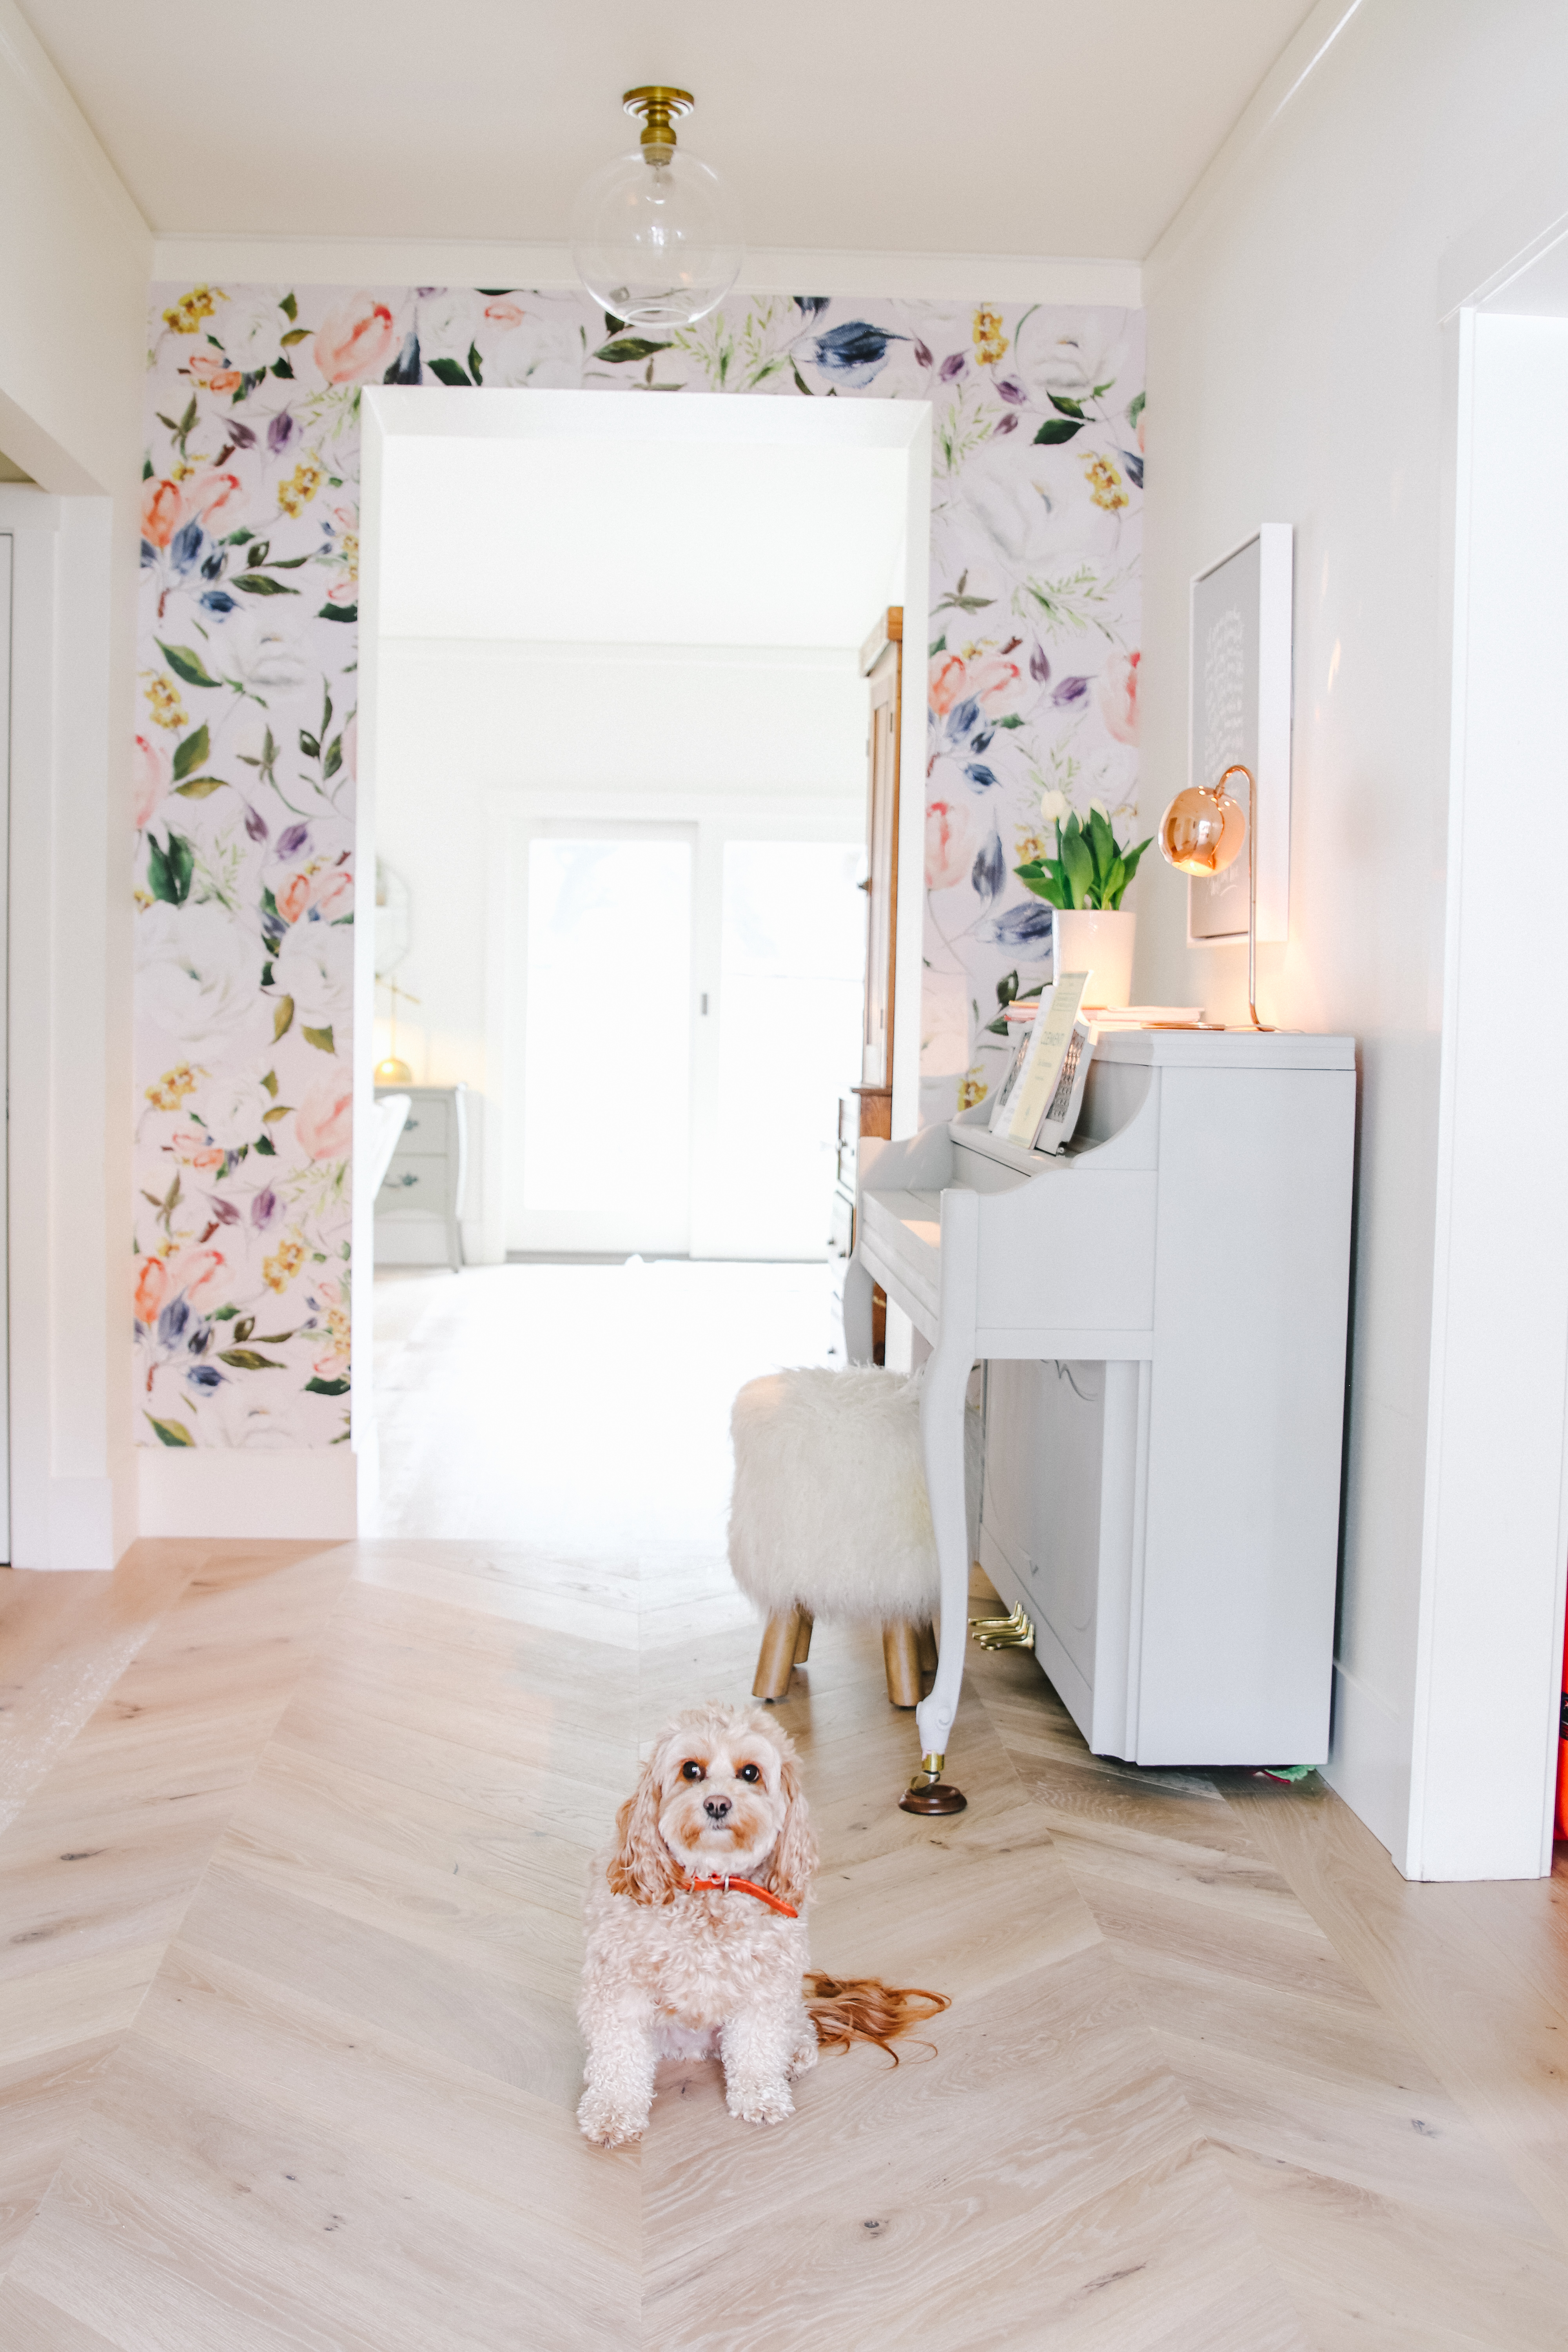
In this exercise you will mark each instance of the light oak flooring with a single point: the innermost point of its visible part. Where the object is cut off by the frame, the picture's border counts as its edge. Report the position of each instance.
(288, 1943)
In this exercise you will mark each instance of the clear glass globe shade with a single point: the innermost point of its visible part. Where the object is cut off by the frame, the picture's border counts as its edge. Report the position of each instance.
(1203, 830)
(658, 243)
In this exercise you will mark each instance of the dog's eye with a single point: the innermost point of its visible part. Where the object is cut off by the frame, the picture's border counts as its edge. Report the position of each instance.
(691, 1771)
(749, 1772)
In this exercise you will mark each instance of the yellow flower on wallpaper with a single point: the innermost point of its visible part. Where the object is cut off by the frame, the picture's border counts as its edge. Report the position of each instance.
(279, 1270)
(989, 342)
(971, 1089)
(1031, 846)
(163, 702)
(1106, 485)
(191, 308)
(295, 495)
(169, 1092)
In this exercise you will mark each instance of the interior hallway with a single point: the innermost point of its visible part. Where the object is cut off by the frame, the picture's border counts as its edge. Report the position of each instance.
(290, 1889)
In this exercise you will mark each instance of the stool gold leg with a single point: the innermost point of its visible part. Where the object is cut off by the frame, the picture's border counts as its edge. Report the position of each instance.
(775, 1659)
(901, 1662)
(925, 1636)
(803, 1639)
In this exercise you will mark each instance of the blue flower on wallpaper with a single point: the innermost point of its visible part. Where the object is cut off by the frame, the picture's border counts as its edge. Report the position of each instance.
(405, 367)
(854, 353)
(989, 870)
(811, 306)
(979, 773)
(1022, 927)
(218, 602)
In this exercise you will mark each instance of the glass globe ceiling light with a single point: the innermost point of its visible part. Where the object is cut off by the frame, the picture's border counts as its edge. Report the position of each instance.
(654, 236)
(1202, 832)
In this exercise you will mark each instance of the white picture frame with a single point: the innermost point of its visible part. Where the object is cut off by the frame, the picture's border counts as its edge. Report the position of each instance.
(1239, 639)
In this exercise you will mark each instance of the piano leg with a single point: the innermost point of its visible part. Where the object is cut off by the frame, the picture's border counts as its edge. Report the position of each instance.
(944, 1382)
(857, 1288)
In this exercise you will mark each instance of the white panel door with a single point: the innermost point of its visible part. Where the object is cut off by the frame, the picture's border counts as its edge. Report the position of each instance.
(599, 1130)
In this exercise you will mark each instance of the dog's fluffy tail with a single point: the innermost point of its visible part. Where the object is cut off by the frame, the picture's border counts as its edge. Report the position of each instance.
(863, 2009)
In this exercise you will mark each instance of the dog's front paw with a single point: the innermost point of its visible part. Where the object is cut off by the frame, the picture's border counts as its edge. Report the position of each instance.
(759, 2103)
(605, 2124)
(807, 2053)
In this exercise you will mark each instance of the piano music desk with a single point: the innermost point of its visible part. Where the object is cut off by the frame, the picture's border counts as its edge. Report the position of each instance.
(1162, 1313)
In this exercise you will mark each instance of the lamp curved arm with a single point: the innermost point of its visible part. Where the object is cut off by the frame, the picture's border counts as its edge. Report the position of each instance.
(1237, 768)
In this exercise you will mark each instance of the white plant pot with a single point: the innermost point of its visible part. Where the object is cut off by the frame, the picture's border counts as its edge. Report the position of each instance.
(1101, 945)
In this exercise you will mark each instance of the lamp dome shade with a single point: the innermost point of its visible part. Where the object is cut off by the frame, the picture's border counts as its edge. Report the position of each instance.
(656, 240)
(1203, 830)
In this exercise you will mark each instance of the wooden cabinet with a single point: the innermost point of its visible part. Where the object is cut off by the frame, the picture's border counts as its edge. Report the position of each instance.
(420, 1202)
(882, 667)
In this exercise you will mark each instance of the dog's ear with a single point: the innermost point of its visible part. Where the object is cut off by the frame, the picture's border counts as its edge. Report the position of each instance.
(793, 1864)
(642, 1864)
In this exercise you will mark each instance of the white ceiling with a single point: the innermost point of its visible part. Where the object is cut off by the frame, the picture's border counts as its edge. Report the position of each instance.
(1030, 127)
(631, 540)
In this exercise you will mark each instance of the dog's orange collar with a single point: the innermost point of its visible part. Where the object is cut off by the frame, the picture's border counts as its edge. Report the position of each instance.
(744, 1886)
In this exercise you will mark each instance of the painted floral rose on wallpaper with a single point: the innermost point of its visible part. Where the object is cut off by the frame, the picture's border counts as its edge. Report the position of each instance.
(243, 760)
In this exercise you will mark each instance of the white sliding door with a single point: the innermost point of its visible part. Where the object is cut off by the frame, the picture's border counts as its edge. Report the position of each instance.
(599, 1128)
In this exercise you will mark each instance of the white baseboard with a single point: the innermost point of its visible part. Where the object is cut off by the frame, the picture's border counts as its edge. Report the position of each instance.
(309, 1497)
(78, 1523)
(1369, 1763)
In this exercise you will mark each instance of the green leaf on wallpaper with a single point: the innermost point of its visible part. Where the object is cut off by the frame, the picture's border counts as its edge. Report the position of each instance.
(1135, 408)
(275, 1339)
(282, 1017)
(1068, 408)
(270, 1082)
(474, 362)
(295, 335)
(169, 870)
(247, 1360)
(449, 372)
(170, 1433)
(1011, 719)
(800, 383)
(265, 1145)
(278, 563)
(308, 744)
(186, 665)
(494, 293)
(256, 584)
(200, 788)
(1058, 428)
(257, 552)
(628, 349)
(279, 1110)
(326, 1388)
(192, 752)
(244, 1327)
(290, 308)
(146, 470)
(239, 538)
(223, 1315)
(338, 613)
(281, 367)
(321, 1039)
(938, 645)
(335, 759)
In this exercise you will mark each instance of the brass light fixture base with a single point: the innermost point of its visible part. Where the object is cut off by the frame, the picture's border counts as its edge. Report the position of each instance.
(928, 1792)
(661, 108)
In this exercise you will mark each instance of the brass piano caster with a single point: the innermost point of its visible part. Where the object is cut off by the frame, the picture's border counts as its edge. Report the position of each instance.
(928, 1792)
(1011, 1632)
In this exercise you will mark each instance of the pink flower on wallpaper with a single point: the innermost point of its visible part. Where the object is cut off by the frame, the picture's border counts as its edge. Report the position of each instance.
(196, 1273)
(162, 511)
(330, 894)
(211, 496)
(505, 314)
(949, 843)
(196, 1151)
(149, 780)
(152, 1282)
(208, 368)
(990, 679)
(1116, 695)
(334, 893)
(355, 340)
(324, 1121)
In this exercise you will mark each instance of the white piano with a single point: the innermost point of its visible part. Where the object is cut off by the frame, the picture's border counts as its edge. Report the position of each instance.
(1161, 1313)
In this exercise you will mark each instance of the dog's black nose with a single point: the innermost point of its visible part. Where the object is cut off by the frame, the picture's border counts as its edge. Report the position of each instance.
(716, 1808)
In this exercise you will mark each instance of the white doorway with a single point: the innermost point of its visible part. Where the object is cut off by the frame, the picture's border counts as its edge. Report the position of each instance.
(612, 751)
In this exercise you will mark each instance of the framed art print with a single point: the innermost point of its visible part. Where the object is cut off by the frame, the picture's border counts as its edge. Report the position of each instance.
(1241, 711)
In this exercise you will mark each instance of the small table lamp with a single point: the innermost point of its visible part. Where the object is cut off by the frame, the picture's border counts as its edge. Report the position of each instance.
(1202, 832)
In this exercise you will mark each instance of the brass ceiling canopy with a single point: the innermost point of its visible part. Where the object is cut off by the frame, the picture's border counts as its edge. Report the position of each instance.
(661, 108)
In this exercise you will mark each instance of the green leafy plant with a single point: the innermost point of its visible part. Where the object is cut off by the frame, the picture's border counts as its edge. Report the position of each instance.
(1090, 869)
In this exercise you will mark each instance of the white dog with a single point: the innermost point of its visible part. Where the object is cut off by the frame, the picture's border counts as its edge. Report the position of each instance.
(696, 1945)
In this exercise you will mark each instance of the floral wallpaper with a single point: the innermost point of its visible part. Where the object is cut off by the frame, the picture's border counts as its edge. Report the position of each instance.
(244, 754)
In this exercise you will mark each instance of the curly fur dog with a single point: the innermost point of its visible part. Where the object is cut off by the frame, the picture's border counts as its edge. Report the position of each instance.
(677, 1973)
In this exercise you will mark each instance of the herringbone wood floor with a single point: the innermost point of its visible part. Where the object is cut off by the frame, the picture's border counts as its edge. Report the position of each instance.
(288, 1967)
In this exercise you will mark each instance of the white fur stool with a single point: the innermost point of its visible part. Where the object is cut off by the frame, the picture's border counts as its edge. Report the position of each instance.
(829, 1518)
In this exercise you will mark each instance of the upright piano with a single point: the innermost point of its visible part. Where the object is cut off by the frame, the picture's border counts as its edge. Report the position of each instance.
(1160, 1311)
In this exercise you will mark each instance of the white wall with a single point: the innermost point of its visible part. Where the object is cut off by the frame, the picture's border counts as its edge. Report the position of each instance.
(75, 258)
(460, 722)
(1298, 374)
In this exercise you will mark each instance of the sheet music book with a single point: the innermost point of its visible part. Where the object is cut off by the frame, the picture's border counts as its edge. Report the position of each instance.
(1061, 1118)
(1039, 1067)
